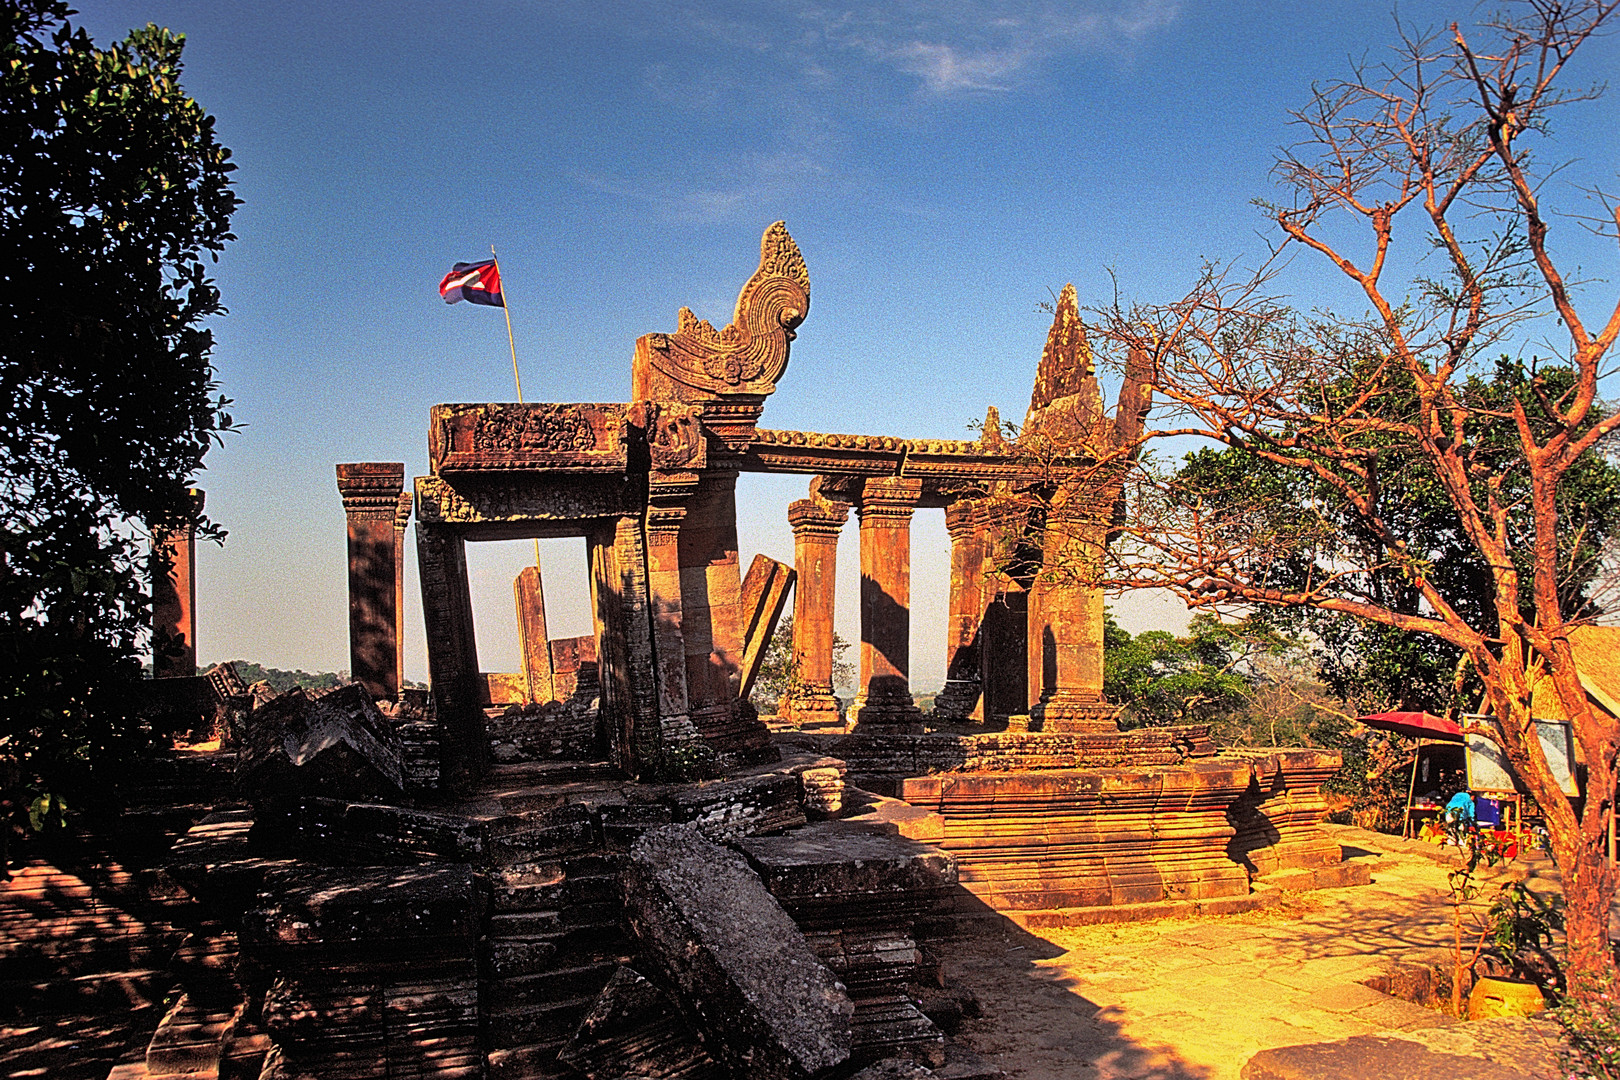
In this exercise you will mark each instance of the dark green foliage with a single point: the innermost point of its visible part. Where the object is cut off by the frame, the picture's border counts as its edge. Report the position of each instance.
(1316, 534)
(114, 194)
(1164, 679)
(776, 669)
(282, 681)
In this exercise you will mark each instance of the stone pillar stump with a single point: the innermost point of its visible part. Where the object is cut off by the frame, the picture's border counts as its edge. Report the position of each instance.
(174, 595)
(1066, 639)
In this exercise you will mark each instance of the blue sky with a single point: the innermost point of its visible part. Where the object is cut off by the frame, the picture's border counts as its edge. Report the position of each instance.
(945, 168)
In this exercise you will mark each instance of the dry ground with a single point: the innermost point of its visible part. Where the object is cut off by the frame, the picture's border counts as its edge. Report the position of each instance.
(1195, 999)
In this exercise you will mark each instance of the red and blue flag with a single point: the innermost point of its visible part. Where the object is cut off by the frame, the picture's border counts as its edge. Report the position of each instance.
(476, 283)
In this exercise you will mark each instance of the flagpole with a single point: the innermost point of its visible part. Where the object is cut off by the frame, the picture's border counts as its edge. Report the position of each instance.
(516, 378)
(510, 341)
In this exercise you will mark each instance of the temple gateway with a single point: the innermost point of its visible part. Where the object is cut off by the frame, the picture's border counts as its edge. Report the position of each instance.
(606, 864)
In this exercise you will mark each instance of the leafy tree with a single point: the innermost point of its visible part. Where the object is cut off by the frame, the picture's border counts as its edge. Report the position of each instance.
(1376, 665)
(1244, 678)
(282, 681)
(776, 672)
(1162, 679)
(114, 194)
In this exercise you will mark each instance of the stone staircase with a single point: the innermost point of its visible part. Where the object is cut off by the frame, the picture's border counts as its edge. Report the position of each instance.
(83, 958)
(555, 933)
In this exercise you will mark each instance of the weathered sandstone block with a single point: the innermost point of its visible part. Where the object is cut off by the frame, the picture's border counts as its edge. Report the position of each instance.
(763, 1003)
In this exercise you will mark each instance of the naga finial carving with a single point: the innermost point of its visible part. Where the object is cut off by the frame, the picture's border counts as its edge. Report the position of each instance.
(750, 354)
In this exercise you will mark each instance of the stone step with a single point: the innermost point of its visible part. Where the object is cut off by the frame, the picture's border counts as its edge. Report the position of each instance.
(1121, 913)
(1338, 876)
(531, 1061)
(602, 917)
(529, 1025)
(541, 773)
(548, 988)
(512, 957)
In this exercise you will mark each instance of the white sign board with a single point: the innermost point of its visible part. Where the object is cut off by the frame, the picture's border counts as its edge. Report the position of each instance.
(1488, 768)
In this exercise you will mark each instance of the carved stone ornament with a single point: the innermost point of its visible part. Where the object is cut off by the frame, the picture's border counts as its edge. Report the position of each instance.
(675, 436)
(749, 355)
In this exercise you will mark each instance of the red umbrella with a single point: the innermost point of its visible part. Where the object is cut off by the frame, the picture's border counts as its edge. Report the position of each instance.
(1415, 725)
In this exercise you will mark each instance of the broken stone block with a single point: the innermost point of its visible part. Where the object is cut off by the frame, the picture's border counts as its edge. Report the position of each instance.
(763, 1003)
(856, 892)
(371, 973)
(727, 809)
(337, 746)
(318, 915)
(635, 1030)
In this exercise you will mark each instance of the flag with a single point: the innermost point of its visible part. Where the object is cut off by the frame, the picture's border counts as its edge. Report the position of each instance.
(476, 283)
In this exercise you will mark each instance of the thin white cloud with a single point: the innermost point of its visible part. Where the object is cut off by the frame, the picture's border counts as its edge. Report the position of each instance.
(792, 77)
(966, 46)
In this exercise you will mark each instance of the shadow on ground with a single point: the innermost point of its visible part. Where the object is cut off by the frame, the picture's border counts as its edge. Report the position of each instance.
(1035, 1025)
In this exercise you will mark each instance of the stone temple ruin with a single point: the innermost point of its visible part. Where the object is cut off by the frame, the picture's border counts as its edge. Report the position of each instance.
(606, 864)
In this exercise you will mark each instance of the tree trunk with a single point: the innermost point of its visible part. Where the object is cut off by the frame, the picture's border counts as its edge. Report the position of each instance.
(1588, 893)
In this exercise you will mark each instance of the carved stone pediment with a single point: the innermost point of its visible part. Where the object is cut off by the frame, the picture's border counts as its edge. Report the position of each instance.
(697, 361)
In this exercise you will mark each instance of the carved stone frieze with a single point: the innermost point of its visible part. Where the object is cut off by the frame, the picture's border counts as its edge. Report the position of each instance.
(697, 361)
(510, 436)
(514, 500)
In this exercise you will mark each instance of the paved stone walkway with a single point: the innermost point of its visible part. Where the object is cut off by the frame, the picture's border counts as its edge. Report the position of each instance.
(1195, 999)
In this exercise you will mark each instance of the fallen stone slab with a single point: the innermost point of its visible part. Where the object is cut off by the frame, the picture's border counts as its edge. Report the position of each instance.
(337, 745)
(1505, 1049)
(740, 970)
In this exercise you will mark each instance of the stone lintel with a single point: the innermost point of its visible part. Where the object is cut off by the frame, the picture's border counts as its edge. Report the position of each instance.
(533, 437)
(497, 507)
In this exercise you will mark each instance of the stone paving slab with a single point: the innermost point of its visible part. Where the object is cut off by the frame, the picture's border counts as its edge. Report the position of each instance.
(1195, 999)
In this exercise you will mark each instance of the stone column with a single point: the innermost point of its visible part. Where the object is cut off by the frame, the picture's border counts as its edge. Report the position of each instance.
(816, 525)
(884, 700)
(441, 555)
(174, 595)
(402, 519)
(1066, 631)
(712, 622)
(533, 641)
(371, 495)
(628, 674)
(962, 696)
(667, 496)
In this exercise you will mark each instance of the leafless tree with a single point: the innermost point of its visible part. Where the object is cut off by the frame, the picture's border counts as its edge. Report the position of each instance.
(1431, 150)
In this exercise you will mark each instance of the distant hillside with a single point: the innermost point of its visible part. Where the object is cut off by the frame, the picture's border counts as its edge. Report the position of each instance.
(281, 681)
